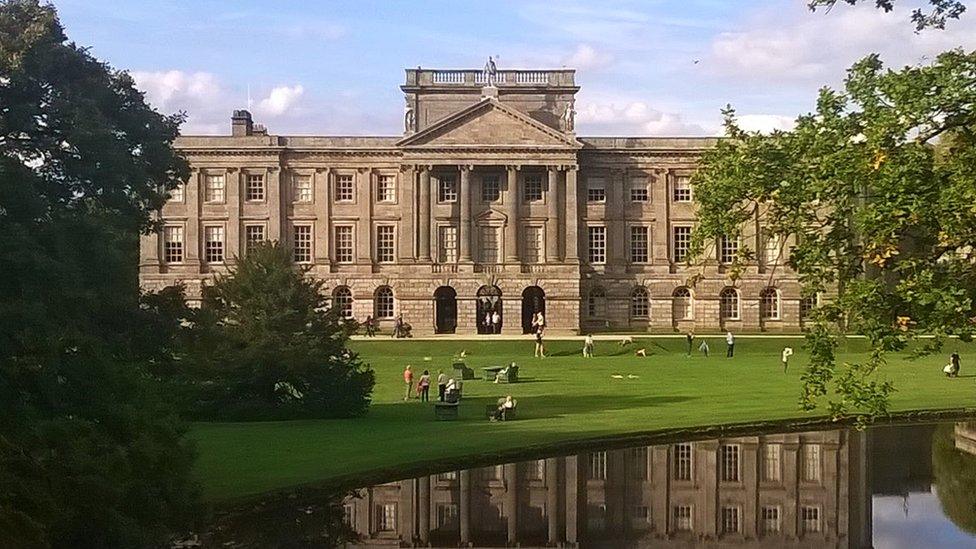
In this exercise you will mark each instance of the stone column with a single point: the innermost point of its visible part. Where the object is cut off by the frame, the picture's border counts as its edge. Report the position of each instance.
(511, 501)
(572, 216)
(192, 237)
(573, 504)
(364, 228)
(511, 211)
(552, 216)
(464, 508)
(234, 178)
(276, 196)
(424, 208)
(423, 509)
(464, 229)
(617, 237)
(552, 498)
(322, 183)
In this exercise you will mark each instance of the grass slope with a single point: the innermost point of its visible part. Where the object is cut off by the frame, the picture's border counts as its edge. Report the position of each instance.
(562, 398)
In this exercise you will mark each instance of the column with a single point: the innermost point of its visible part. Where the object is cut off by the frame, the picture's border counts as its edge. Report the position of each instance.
(192, 237)
(321, 182)
(423, 509)
(234, 178)
(511, 211)
(511, 501)
(464, 229)
(464, 508)
(364, 227)
(552, 216)
(617, 238)
(276, 196)
(150, 244)
(572, 216)
(573, 504)
(423, 207)
(552, 498)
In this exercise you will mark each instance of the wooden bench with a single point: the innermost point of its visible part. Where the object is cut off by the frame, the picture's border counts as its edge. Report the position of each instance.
(446, 411)
(490, 410)
(491, 372)
(461, 370)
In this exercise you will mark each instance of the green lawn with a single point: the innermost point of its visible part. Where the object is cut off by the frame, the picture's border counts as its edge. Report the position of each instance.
(562, 398)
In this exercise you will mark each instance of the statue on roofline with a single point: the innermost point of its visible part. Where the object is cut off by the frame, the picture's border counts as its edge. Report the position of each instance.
(491, 72)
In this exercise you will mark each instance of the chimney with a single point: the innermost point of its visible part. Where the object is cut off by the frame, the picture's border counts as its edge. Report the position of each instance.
(241, 124)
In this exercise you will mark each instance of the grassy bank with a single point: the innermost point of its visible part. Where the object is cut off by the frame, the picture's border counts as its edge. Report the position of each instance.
(561, 398)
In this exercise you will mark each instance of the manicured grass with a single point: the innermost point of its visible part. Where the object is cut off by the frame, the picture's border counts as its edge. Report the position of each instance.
(561, 398)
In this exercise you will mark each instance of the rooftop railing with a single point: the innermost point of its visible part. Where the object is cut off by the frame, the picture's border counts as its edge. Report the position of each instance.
(474, 77)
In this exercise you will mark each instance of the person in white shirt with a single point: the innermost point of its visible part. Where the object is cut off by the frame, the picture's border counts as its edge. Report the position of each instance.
(588, 346)
(496, 322)
(787, 353)
(729, 344)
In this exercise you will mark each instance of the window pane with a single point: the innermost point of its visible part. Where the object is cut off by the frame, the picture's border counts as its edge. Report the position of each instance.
(343, 244)
(639, 244)
(173, 244)
(385, 244)
(532, 245)
(682, 189)
(680, 243)
(345, 189)
(489, 244)
(490, 188)
(302, 242)
(447, 244)
(213, 188)
(597, 239)
(532, 188)
(255, 187)
(447, 189)
(386, 188)
(214, 244)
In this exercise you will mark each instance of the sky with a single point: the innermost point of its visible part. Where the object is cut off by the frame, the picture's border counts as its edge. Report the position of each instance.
(915, 522)
(653, 67)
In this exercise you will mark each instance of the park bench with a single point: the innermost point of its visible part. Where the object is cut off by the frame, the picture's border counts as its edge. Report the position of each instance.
(446, 411)
(491, 372)
(461, 370)
(490, 410)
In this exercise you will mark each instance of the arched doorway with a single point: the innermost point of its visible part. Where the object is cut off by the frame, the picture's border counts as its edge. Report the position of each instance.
(445, 310)
(489, 303)
(533, 301)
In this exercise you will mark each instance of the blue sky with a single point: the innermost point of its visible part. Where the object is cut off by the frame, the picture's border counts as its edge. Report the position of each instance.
(656, 67)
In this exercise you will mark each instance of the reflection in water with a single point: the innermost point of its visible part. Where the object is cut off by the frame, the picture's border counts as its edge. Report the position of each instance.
(893, 486)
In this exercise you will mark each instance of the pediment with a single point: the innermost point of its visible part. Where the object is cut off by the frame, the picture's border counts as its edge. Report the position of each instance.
(489, 123)
(491, 216)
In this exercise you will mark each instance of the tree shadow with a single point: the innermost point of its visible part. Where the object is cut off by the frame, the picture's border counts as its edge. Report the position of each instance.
(557, 406)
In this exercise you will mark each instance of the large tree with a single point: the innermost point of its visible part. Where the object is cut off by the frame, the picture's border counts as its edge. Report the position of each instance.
(876, 188)
(267, 345)
(90, 454)
(938, 14)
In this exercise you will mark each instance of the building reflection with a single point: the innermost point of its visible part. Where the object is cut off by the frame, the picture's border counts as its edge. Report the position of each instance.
(807, 489)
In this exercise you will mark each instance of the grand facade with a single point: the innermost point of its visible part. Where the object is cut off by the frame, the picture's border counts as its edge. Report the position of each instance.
(488, 202)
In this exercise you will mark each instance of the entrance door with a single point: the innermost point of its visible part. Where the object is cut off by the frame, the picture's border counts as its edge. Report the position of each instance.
(489, 303)
(533, 301)
(445, 310)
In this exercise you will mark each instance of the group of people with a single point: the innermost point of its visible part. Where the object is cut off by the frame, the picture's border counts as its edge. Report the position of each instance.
(400, 328)
(445, 385)
(493, 321)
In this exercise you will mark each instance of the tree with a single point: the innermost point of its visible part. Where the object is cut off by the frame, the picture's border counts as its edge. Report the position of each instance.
(955, 478)
(266, 345)
(941, 12)
(91, 455)
(876, 188)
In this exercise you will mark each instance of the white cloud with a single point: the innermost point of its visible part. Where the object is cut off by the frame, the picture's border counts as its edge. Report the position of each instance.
(586, 57)
(765, 123)
(793, 46)
(631, 117)
(280, 100)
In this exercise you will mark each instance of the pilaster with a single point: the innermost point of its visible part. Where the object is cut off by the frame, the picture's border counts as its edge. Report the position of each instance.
(552, 215)
(572, 216)
(423, 207)
(465, 229)
(511, 212)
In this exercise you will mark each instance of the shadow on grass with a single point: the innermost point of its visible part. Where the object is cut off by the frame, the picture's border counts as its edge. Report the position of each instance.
(550, 406)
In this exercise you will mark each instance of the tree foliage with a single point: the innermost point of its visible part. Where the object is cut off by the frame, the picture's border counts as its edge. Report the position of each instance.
(936, 18)
(90, 453)
(955, 478)
(877, 188)
(266, 345)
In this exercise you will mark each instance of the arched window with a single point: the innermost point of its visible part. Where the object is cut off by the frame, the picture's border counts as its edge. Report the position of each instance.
(681, 304)
(383, 302)
(728, 304)
(639, 305)
(596, 303)
(342, 298)
(769, 304)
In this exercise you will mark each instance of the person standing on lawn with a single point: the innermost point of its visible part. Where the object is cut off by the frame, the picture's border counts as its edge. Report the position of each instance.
(424, 386)
(787, 353)
(408, 382)
(729, 344)
(370, 326)
(540, 349)
(441, 385)
(690, 338)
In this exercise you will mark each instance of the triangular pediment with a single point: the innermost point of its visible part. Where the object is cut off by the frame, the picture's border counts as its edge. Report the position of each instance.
(491, 215)
(489, 123)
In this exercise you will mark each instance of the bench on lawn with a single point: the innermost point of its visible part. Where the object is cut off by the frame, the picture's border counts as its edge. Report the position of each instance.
(446, 411)
(461, 370)
(491, 372)
(490, 410)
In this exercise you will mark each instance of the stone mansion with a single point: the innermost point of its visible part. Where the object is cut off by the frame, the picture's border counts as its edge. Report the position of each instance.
(489, 201)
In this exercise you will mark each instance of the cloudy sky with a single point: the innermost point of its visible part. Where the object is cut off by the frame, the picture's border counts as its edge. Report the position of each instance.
(653, 67)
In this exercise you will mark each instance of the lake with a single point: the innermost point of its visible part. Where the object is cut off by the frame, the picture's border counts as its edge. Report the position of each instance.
(898, 486)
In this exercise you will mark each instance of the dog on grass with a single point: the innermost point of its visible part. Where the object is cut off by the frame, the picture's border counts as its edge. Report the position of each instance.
(641, 352)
